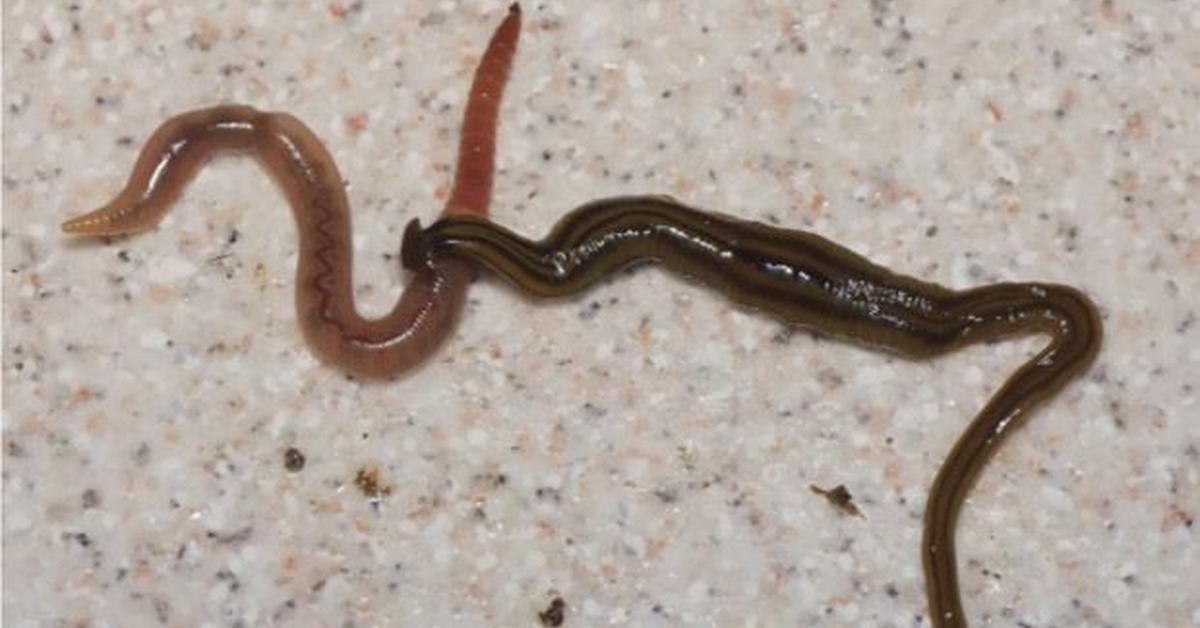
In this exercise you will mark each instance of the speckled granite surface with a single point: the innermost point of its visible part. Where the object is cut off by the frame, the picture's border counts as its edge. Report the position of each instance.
(643, 453)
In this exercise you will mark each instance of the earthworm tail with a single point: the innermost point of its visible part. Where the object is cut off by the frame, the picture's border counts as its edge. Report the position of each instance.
(477, 145)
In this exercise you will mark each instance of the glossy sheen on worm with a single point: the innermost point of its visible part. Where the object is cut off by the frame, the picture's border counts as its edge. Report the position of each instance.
(806, 280)
(309, 178)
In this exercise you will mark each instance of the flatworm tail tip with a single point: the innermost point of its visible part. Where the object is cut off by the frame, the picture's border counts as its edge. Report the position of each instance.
(515, 8)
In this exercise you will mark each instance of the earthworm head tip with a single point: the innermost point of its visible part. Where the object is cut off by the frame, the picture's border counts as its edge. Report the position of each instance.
(93, 223)
(414, 248)
(71, 226)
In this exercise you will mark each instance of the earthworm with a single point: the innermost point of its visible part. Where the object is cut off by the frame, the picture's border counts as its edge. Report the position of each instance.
(297, 160)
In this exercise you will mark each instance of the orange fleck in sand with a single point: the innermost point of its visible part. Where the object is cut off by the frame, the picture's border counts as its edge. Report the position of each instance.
(356, 122)
(817, 202)
(995, 112)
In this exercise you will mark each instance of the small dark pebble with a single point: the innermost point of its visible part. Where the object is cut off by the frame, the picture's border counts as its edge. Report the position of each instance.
(293, 459)
(554, 614)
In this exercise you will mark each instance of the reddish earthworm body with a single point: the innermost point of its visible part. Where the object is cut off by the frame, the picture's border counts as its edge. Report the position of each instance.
(309, 178)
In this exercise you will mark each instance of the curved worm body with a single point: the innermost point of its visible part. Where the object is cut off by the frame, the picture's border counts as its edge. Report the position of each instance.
(806, 280)
(309, 178)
